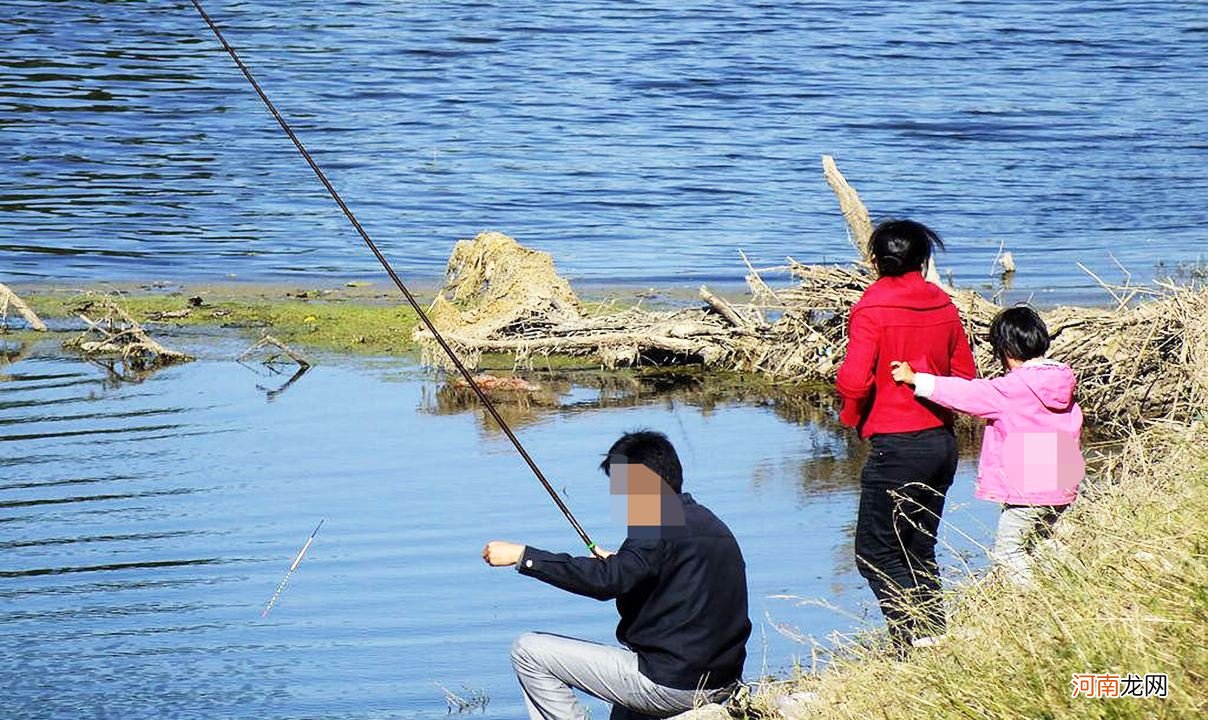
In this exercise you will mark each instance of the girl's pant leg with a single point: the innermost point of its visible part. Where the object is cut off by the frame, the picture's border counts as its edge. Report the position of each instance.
(1010, 552)
(1018, 527)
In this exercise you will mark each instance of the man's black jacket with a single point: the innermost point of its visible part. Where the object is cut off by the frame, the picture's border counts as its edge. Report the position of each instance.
(682, 598)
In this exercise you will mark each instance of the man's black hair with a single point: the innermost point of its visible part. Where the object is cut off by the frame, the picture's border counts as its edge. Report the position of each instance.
(1018, 333)
(649, 448)
(902, 246)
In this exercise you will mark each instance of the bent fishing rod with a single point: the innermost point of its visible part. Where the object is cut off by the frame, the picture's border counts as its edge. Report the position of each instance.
(423, 316)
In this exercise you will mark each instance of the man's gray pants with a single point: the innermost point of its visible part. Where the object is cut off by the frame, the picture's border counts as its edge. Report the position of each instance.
(551, 667)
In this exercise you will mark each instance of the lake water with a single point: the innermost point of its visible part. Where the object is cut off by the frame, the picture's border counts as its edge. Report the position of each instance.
(638, 142)
(144, 525)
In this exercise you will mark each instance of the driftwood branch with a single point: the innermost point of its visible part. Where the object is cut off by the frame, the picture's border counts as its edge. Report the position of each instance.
(8, 297)
(117, 334)
(587, 342)
(270, 341)
(726, 310)
(859, 223)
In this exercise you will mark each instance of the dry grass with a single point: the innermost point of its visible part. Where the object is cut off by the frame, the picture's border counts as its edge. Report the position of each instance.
(1123, 588)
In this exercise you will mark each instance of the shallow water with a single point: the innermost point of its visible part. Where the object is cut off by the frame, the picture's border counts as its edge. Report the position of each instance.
(143, 527)
(642, 142)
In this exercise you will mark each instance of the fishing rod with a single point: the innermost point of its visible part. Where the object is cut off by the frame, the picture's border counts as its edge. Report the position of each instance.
(423, 316)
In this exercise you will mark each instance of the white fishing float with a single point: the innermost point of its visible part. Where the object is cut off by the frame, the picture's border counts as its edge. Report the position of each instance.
(293, 566)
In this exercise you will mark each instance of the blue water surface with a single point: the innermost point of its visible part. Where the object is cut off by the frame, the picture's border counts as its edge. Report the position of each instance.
(144, 527)
(638, 142)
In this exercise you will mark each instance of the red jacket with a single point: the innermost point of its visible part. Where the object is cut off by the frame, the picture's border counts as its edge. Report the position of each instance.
(900, 318)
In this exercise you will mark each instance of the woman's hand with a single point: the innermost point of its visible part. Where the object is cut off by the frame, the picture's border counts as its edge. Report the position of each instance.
(902, 372)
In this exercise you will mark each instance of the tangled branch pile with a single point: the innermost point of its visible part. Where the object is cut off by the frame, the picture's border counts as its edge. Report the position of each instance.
(1137, 362)
(1141, 362)
(116, 334)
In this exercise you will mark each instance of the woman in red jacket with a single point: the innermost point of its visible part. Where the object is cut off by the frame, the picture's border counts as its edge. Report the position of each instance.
(912, 460)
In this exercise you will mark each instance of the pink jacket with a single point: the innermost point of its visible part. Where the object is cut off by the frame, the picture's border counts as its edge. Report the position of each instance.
(1030, 454)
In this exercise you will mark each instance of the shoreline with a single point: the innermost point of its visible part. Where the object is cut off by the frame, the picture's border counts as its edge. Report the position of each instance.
(356, 318)
(378, 286)
(541, 323)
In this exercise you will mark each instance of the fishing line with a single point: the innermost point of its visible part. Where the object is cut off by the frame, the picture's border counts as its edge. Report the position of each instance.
(423, 316)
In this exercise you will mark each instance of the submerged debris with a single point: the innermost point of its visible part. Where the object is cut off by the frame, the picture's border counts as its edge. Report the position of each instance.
(467, 701)
(1136, 362)
(268, 341)
(494, 384)
(271, 362)
(116, 334)
(161, 315)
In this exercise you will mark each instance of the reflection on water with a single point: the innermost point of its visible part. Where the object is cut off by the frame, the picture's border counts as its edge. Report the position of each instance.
(831, 461)
(144, 525)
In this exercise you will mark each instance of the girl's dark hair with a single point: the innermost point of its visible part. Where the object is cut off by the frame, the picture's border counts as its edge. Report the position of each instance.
(649, 448)
(902, 246)
(1018, 333)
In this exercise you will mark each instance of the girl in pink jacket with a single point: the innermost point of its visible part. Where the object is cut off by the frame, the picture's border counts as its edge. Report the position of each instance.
(1031, 462)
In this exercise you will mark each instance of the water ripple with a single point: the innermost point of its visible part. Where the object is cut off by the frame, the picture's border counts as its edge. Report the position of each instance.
(602, 134)
(138, 565)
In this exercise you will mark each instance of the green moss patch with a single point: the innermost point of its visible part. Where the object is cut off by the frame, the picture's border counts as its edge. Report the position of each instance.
(322, 320)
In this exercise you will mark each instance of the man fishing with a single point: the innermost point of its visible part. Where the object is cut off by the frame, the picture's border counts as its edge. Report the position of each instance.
(679, 581)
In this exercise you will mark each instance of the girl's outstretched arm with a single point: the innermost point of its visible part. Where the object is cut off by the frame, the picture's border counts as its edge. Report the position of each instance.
(983, 398)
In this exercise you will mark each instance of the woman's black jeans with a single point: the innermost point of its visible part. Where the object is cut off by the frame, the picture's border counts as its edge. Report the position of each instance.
(902, 491)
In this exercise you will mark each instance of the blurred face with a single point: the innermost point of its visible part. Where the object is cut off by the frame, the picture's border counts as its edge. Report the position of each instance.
(641, 490)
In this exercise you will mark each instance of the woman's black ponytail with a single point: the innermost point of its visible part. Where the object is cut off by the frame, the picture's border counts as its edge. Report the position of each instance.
(902, 246)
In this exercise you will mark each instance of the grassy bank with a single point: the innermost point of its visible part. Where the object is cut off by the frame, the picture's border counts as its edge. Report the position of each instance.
(1123, 590)
(357, 318)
